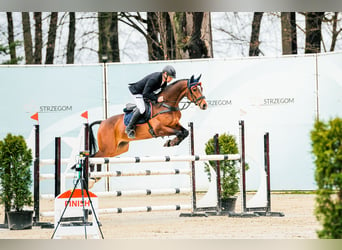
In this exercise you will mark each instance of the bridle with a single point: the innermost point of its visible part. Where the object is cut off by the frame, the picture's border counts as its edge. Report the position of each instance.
(193, 87)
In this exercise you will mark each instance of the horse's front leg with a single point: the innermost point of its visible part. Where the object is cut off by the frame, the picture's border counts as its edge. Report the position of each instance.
(181, 134)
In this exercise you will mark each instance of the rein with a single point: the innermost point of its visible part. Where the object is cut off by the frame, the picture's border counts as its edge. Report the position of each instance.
(186, 105)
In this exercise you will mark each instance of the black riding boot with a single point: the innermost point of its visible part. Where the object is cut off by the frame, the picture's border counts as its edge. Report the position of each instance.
(130, 129)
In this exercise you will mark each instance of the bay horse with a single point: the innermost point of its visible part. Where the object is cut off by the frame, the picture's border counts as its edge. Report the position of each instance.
(112, 139)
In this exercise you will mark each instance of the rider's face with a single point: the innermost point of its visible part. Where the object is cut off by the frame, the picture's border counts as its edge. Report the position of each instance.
(167, 78)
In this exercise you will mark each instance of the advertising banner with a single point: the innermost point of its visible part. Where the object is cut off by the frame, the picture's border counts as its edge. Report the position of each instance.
(282, 96)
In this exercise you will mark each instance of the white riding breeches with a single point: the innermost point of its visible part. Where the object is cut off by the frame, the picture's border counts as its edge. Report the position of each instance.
(139, 101)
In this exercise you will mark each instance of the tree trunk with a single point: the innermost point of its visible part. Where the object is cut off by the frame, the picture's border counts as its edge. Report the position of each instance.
(11, 43)
(38, 38)
(192, 34)
(167, 36)
(335, 32)
(313, 37)
(254, 43)
(154, 46)
(71, 38)
(181, 32)
(103, 47)
(27, 37)
(114, 38)
(288, 33)
(108, 37)
(50, 50)
(197, 47)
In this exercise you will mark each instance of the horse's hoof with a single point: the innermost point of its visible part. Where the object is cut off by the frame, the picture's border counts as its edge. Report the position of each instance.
(167, 143)
(91, 183)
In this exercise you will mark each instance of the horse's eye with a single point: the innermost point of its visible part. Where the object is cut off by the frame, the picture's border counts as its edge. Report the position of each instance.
(195, 89)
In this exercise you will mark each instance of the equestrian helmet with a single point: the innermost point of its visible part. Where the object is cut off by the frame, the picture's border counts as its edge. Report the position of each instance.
(170, 71)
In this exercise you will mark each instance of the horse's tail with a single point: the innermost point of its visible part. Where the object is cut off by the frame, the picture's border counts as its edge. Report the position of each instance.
(92, 141)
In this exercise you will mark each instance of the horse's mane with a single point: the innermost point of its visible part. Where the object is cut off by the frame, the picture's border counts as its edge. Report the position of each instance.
(174, 83)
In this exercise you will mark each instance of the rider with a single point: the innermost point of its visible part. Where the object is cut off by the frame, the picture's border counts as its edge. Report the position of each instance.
(144, 90)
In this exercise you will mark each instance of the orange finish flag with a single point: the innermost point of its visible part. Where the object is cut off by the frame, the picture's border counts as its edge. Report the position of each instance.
(35, 116)
(85, 115)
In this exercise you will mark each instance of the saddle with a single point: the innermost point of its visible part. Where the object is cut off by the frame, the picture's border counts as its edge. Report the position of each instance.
(128, 112)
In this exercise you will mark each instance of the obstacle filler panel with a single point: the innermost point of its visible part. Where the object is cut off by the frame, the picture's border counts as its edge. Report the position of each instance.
(72, 223)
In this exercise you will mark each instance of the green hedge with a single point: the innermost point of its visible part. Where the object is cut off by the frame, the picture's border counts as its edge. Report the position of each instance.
(229, 170)
(15, 174)
(326, 140)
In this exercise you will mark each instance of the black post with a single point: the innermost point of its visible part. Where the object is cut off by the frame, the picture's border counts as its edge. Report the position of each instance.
(193, 171)
(57, 166)
(86, 148)
(243, 164)
(36, 176)
(267, 169)
(218, 173)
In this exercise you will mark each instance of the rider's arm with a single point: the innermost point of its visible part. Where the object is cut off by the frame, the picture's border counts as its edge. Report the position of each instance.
(148, 91)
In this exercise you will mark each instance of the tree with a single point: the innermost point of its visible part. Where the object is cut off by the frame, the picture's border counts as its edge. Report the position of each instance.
(155, 51)
(38, 38)
(108, 36)
(229, 171)
(71, 38)
(50, 49)
(158, 33)
(174, 35)
(254, 42)
(15, 174)
(190, 37)
(167, 36)
(198, 48)
(11, 43)
(114, 37)
(288, 33)
(335, 31)
(27, 37)
(327, 149)
(192, 34)
(313, 35)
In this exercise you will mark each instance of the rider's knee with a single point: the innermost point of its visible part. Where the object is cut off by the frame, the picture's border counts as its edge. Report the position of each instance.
(141, 110)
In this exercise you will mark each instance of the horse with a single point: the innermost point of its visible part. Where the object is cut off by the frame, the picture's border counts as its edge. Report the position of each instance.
(164, 121)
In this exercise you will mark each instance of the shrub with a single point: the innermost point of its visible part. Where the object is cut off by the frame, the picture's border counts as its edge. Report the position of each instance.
(15, 174)
(229, 170)
(327, 150)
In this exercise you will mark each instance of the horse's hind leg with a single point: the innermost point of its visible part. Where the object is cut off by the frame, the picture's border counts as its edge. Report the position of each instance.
(180, 136)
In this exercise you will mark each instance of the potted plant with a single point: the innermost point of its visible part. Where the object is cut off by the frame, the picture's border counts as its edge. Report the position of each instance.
(229, 171)
(15, 181)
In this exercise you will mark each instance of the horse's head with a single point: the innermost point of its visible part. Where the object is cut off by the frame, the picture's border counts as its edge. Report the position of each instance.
(194, 93)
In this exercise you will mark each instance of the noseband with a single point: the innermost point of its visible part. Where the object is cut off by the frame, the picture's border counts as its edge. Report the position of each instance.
(192, 86)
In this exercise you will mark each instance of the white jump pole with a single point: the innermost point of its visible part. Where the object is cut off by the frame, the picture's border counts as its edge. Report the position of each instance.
(173, 158)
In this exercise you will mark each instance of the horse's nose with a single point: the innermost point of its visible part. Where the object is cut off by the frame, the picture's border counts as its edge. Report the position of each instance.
(204, 106)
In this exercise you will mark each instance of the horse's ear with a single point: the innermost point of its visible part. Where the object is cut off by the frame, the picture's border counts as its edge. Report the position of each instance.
(192, 78)
(197, 80)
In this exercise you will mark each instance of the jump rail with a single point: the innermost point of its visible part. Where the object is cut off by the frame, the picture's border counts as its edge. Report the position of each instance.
(179, 158)
(133, 209)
